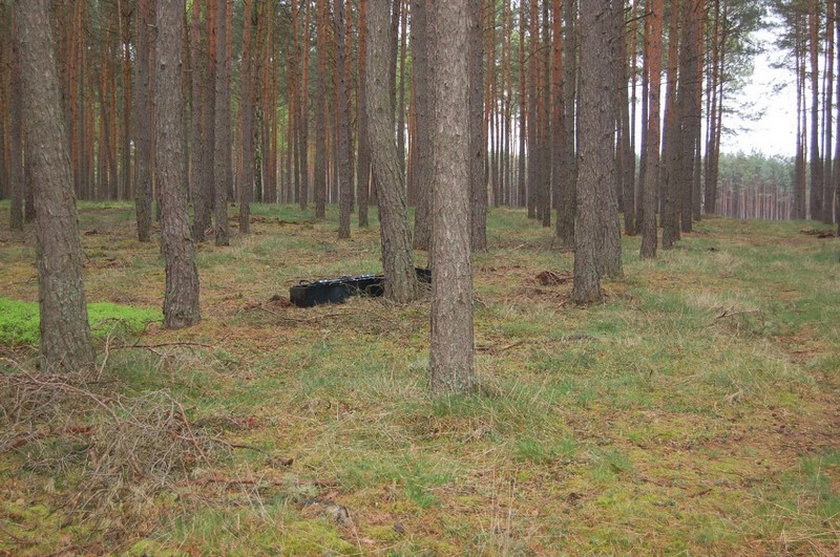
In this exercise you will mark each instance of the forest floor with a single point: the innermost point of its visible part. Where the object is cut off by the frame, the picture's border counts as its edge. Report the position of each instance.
(696, 412)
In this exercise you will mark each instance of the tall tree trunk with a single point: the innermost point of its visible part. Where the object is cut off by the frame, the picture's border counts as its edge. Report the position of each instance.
(669, 199)
(653, 56)
(452, 338)
(246, 116)
(713, 78)
(204, 72)
(816, 185)
(544, 119)
(596, 235)
(800, 186)
(424, 109)
(180, 302)
(522, 179)
(828, 100)
(565, 231)
(303, 141)
(143, 120)
(690, 90)
(363, 165)
(345, 175)
(558, 128)
(321, 113)
(222, 148)
(65, 333)
(477, 137)
(402, 5)
(532, 120)
(836, 173)
(15, 157)
(627, 156)
(125, 24)
(397, 261)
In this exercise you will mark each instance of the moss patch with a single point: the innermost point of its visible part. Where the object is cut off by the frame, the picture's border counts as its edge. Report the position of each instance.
(19, 321)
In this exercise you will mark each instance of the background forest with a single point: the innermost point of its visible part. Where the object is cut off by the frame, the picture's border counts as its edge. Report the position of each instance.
(295, 93)
(629, 344)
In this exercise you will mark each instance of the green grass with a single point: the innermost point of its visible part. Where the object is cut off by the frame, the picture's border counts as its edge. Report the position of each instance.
(693, 413)
(20, 321)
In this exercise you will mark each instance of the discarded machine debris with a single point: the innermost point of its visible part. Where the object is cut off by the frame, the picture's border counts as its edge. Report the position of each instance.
(335, 290)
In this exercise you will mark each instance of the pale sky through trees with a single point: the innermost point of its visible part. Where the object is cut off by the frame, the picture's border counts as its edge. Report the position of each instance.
(770, 93)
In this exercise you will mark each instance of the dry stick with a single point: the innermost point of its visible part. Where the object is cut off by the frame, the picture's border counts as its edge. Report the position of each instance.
(231, 481)
(65, 386)
(16, 539)
(162, 345)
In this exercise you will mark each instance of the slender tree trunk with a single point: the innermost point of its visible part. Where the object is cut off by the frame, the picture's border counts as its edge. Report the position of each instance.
(363, 165)
(477, 137)
(15, 156)
(816, 185)
(125, 25)
(627, 156)
(568, 178)
(596, 233)
(452, 339)
(828, 100)
(653, 55)
(800, 206)
(532, 120)
(522, 178)
(65, 333)
(669, 199)
(180, 302)
(246, 116)
(424, 108)
(544, 119)
(558, 128)
(345, 176)
(397, 261)
(321, 113)
(222, 138)
(205, 74)
(143, 119)
(400, 98)
(836, 174)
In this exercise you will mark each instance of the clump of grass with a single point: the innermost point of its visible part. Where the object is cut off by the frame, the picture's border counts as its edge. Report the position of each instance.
(105, 457)
(19, 321)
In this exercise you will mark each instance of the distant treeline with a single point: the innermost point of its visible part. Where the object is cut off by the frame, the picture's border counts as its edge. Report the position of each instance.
(756, 186)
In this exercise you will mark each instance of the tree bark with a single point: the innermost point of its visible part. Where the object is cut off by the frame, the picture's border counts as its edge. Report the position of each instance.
(143, 119)
(16, 177)
(597, 211)
(653, 56)
(345, 174)
(452, 340)
(816, 186)
(565, 230)
(65, 333)
(363, 165)
(321, 113)
(221, 145)
(397, 261)
(423, 106)
(246, 116)
(477, 137)
(180, 302)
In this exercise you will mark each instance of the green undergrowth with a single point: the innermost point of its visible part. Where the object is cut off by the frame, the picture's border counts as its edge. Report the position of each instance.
(692, 413)
(19, 320)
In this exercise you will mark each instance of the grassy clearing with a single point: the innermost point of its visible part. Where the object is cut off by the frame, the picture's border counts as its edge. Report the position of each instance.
(19, 321)
(696, 412)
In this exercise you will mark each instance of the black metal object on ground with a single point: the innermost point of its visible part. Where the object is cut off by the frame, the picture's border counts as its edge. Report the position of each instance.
(336, 290)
